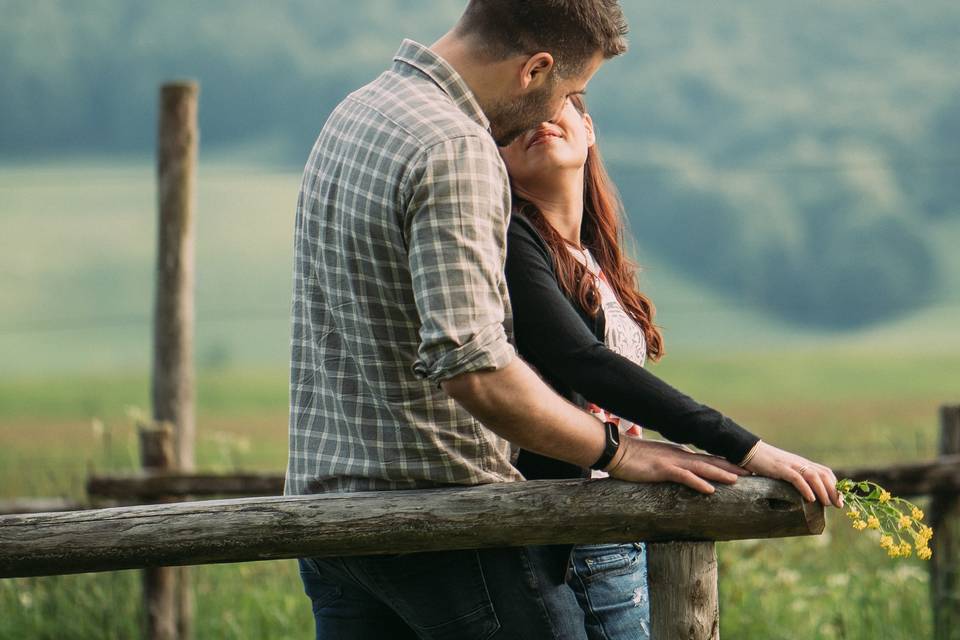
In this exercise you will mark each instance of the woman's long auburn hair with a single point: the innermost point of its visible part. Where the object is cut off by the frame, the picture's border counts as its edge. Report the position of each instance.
(602, 232)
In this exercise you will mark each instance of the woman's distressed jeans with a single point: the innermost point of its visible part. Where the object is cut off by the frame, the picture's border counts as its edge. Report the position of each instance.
(610, 583)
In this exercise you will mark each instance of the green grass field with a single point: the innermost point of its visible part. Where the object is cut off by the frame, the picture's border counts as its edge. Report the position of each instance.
(75, 272)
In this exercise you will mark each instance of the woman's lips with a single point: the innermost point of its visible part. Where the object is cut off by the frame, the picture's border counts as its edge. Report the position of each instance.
(542, 136)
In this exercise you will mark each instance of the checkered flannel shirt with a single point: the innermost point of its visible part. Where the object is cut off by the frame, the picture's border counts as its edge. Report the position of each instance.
(398, 285)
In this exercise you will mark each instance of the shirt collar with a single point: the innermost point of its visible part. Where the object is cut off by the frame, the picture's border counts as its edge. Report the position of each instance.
(439, 70)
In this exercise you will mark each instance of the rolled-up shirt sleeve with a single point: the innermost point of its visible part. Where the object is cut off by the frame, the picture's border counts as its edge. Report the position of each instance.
(455, 230)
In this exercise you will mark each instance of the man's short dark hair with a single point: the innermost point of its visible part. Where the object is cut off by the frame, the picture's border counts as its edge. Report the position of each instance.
(572, 31)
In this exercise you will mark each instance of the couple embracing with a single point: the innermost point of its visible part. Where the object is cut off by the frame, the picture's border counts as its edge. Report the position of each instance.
(463, 314)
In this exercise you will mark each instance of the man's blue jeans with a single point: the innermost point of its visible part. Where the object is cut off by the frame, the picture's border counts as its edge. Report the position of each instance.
(486, 594)
(610, 582)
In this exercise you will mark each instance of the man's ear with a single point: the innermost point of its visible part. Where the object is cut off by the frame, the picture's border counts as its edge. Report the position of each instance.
(591, 133)
(536, 71)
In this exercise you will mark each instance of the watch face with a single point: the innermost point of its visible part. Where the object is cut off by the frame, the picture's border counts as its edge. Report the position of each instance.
(614, 433)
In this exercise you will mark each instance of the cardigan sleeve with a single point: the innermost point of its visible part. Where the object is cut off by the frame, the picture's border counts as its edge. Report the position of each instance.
(551, 335)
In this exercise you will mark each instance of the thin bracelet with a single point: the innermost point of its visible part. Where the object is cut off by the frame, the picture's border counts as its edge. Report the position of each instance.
(621, 454)
(753, 451)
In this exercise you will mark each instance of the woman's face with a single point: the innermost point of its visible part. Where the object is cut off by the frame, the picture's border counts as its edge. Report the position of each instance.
(561, 143)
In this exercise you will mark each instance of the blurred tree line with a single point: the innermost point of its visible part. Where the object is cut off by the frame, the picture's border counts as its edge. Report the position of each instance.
(797, 157)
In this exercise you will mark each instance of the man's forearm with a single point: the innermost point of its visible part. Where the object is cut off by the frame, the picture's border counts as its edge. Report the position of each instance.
(516, 404)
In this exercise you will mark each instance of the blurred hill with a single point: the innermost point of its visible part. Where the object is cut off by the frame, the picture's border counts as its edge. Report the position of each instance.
(794, 159)
(77, 250)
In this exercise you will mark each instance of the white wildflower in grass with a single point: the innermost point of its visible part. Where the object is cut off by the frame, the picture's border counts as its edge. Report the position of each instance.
(908, 573)
(898, 521)
(838, 580)
(799, 605)
(787, 577)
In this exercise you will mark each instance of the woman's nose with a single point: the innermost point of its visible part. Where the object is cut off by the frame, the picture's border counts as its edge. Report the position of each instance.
(557, 114)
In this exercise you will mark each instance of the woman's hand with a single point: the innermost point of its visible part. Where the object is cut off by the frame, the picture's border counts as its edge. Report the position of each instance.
(812, 480)
(652, 461)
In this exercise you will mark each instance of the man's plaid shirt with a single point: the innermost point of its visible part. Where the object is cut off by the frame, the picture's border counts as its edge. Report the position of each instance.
(398, 285)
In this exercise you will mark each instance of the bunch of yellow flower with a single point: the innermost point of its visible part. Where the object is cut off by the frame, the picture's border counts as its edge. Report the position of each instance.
(897, 520)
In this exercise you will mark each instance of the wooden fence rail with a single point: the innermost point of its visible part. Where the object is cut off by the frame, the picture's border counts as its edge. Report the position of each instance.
(535, 512)
(941, 475)
(938, 476)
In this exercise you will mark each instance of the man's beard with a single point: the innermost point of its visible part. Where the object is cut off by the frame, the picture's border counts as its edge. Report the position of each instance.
(508, 120)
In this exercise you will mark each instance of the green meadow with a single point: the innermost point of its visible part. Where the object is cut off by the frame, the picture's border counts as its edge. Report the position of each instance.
(76, 250)
(841, 409)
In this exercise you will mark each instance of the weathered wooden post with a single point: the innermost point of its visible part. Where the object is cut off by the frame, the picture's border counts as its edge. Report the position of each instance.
(160, 591)
(173, 384)
(683, 590)
(945, 520)
(173, 381)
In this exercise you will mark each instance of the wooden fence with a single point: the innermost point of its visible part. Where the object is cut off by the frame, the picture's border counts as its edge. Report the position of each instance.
(938, 479)
(669, 516)
(683, 575)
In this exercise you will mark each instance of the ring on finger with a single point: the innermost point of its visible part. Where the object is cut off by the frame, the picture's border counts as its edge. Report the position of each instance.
(803, 468)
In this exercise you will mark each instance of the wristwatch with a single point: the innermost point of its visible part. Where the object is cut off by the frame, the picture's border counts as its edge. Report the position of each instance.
(610, 448)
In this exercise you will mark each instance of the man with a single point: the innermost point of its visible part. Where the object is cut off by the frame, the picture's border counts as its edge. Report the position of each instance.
(402, 373)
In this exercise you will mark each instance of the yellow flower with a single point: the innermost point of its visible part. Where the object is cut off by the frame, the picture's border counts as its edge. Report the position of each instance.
(865, 513)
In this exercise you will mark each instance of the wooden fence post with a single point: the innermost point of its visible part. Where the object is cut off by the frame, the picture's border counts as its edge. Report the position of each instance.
(173, 384)
(945, 520)
(173, 380)
(682, 579)
(159, 583)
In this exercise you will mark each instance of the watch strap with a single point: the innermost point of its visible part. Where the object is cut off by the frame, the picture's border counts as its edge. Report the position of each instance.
(611, 445)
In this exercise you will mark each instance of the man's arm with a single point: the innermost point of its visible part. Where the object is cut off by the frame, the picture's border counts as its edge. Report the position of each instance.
(516, 404)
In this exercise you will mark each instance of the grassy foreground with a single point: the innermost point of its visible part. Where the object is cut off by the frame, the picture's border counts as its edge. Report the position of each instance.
(836, 407)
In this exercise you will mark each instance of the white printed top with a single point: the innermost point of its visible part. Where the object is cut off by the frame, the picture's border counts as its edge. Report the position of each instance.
(622, 335)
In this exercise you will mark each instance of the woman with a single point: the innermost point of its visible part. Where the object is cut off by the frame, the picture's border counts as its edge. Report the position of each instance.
(580, 321)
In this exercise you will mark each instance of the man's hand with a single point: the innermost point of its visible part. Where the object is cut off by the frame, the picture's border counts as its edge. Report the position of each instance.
(652, 461)
(812, 480)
